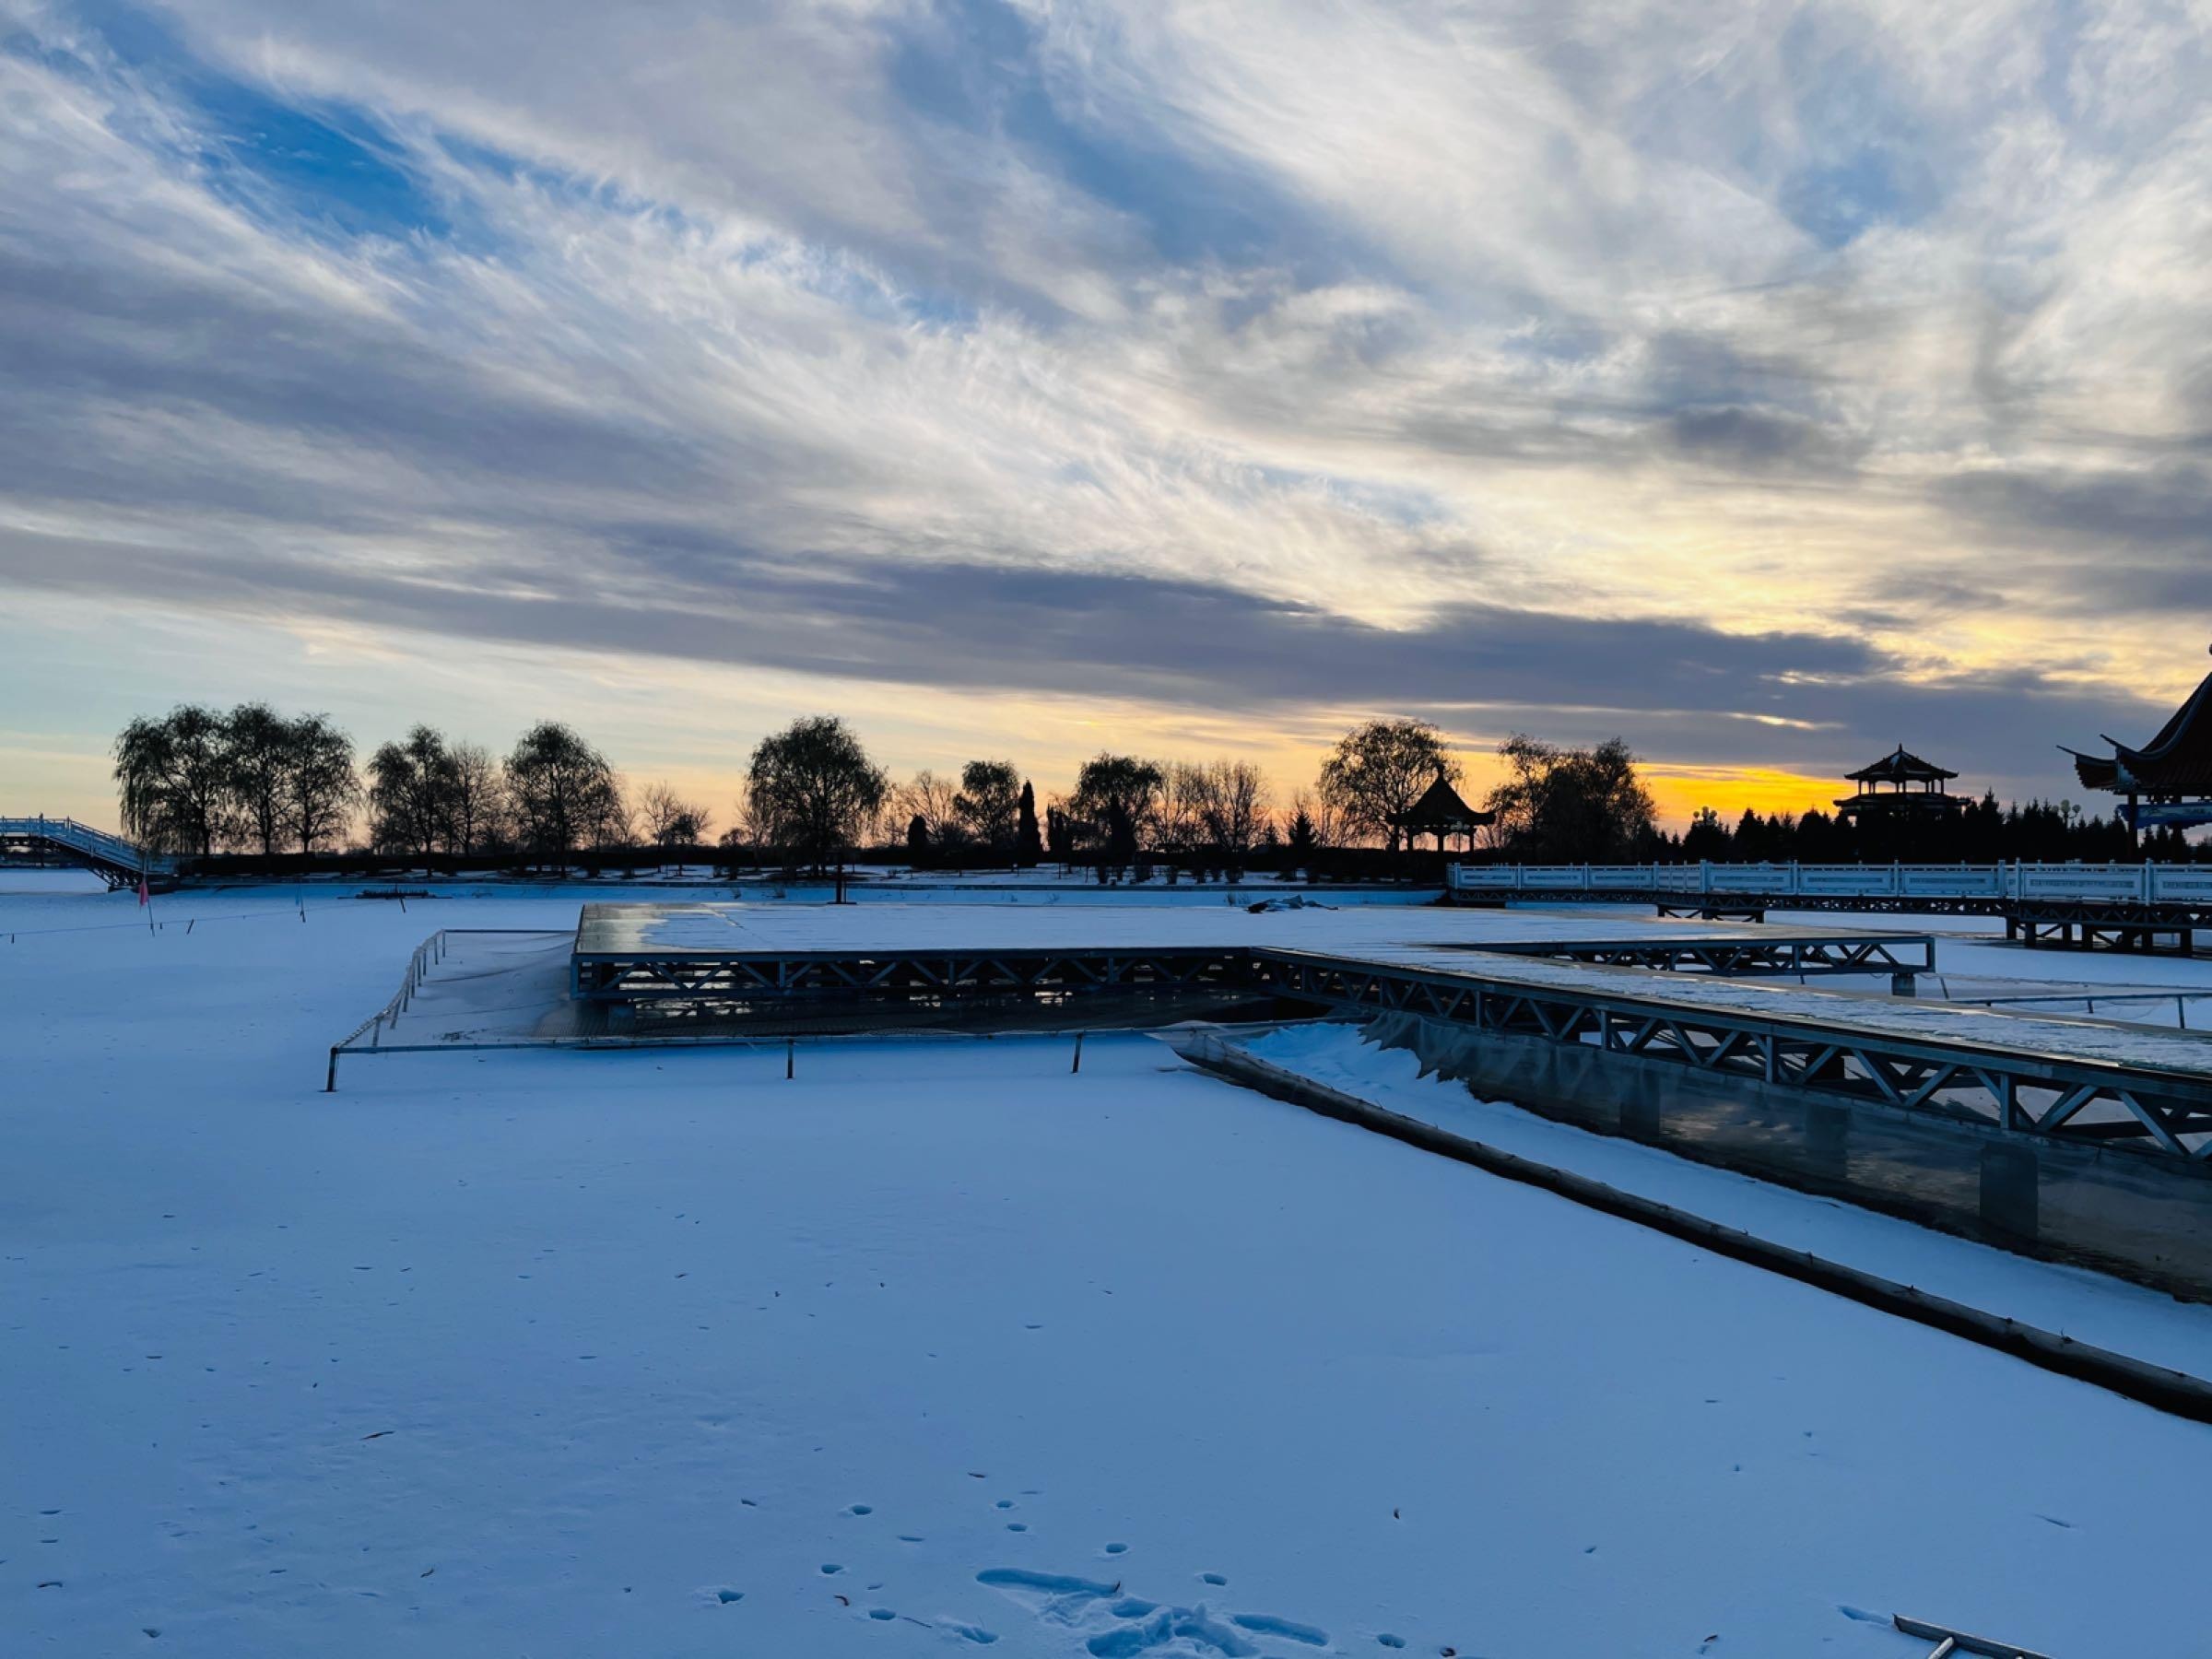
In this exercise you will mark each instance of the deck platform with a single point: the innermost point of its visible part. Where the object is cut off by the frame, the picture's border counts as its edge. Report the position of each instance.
(1699, 997)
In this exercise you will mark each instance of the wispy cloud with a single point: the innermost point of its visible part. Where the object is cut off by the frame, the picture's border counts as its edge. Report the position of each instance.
(1755, 383)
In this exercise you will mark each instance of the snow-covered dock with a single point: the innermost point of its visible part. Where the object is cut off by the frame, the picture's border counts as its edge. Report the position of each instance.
(2015, 1124)
(1527, 972)
(660, 1352)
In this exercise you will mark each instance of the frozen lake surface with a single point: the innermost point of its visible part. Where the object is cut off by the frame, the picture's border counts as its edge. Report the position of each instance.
(935, 1346)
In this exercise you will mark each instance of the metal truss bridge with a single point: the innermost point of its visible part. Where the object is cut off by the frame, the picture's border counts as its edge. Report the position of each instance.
(113, 859)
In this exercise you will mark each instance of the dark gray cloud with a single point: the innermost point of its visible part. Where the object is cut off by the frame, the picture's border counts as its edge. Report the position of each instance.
(1752, 440)
(1693, 694)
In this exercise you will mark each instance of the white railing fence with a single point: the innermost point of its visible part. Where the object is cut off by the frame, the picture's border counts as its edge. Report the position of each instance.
(83, 838)
(2137, 883)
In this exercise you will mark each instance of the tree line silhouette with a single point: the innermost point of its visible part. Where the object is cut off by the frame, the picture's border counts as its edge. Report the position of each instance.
(204, 782)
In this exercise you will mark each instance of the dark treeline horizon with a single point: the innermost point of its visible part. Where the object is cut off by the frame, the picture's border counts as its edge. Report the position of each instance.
(247, 781)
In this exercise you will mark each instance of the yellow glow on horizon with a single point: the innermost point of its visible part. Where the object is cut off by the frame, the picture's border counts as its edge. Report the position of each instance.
(1728, 792)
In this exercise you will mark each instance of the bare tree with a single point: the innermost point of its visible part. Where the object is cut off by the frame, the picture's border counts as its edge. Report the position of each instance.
(561, 789)
(659, 808)
(937, 802)
(410, 794)
(609, 824)
(476, 800)
(1236, 809)
(752, 833)
(1185, 799)
(671, 821)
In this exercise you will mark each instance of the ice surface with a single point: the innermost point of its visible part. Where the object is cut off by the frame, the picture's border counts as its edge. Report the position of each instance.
(558, 1353)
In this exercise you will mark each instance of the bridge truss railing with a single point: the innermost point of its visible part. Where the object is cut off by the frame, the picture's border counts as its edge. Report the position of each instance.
(2088, 1101)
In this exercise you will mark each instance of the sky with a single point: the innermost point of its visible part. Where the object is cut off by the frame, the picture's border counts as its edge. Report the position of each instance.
(1766, 384)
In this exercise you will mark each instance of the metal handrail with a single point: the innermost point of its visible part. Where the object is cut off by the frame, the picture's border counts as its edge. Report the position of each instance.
(83, 838)
(2133, 883)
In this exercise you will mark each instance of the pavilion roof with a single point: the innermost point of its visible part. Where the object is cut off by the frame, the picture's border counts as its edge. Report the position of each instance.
(2178, 761)
(1440, 808)
(1899, 766)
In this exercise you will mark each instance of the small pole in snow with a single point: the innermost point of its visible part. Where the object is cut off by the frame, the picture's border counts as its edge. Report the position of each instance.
(1079, 1062)
(330, 1081)
(791, 1057)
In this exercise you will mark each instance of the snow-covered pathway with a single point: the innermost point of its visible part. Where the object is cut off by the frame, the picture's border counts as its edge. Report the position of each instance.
(582, 1354)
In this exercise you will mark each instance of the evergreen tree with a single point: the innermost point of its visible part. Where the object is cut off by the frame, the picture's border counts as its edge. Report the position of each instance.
(1029, 847)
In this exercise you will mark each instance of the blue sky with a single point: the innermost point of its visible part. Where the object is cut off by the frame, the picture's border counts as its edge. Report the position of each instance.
(1766, 385)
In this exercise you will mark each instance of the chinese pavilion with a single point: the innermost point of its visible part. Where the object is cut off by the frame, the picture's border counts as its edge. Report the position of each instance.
(2168, 781)
(1440, 812)
(1900, 788)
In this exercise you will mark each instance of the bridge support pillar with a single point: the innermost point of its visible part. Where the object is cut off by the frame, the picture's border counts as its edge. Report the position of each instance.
(1904, 984)
(2009, 1183)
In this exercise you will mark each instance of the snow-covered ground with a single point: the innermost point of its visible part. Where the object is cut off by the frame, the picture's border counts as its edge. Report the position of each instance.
(559, 1353)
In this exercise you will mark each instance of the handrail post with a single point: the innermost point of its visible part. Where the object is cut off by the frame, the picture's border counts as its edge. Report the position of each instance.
(330, 1079)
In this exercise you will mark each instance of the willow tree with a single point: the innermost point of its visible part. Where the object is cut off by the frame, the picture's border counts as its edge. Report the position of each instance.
(172, 778)
(1378, 770)
(257, 749)
(320, 789)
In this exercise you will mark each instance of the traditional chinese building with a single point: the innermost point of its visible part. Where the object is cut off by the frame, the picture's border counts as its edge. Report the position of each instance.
(1901, 788)
(1440, 812)
(2168, 781)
